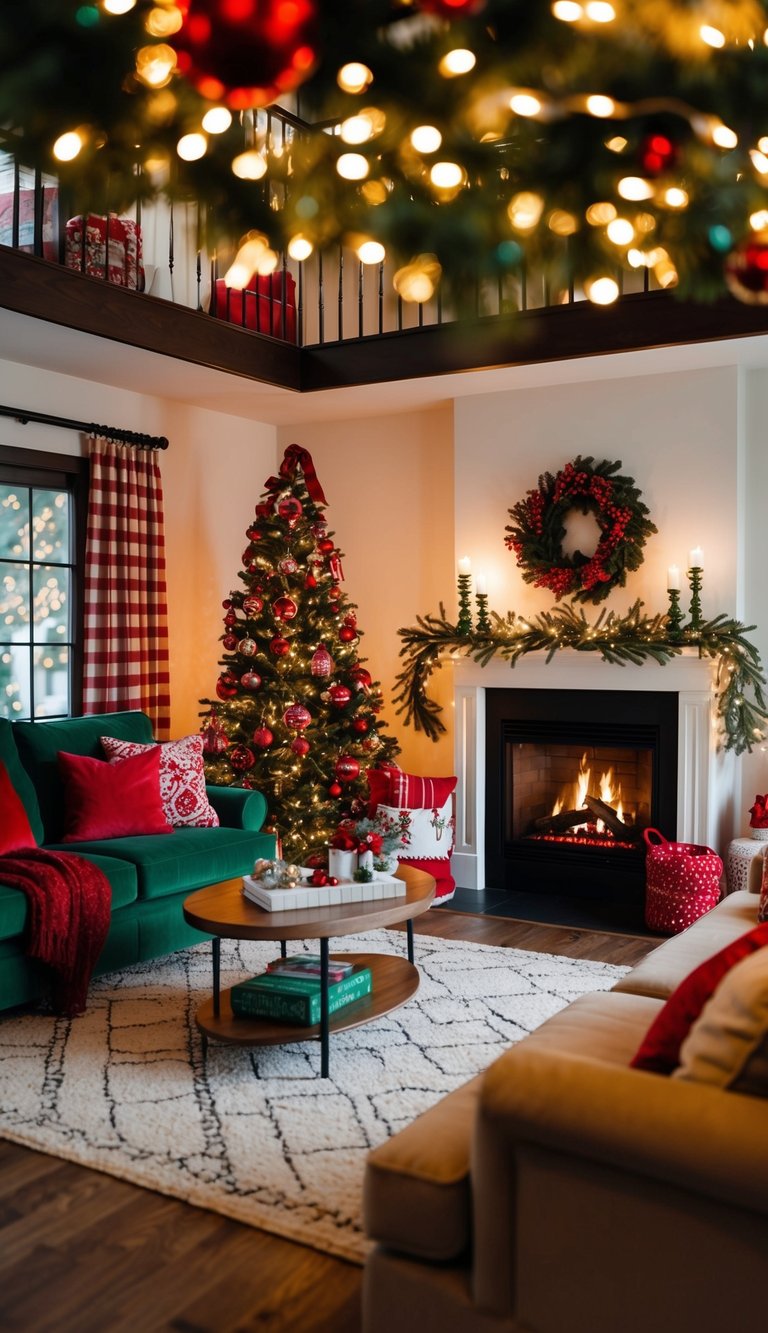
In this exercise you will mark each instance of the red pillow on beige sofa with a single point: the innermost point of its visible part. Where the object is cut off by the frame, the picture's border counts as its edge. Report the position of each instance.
(182, 778)
(112, 800)
(659, 1050)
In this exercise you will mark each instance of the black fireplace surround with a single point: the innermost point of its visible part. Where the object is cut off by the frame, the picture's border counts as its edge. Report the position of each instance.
(611, 726)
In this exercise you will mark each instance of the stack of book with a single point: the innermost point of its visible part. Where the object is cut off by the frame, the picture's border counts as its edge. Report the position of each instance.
(289, 991)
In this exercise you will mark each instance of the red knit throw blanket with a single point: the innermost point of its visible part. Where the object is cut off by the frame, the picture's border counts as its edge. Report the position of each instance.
(69, 909)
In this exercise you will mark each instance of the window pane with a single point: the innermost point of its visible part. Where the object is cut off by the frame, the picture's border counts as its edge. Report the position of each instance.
(14, 681)
(51, 681)
(14, 522)
(50, 525)
(14, 602)
(52, 602)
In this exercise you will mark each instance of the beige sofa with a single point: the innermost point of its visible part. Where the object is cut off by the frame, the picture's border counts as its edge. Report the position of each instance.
(563, 1192)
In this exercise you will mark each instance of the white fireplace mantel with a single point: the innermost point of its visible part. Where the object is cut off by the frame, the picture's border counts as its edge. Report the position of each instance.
(708, 780)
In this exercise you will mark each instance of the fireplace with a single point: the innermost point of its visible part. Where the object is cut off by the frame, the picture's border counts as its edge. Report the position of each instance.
(705, 808)
(572, 779)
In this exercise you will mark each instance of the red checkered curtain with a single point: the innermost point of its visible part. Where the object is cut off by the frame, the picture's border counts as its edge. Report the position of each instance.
(126, 613)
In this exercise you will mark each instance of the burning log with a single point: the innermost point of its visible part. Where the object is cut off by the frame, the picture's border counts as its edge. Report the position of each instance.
(561, 822)
(599, 809)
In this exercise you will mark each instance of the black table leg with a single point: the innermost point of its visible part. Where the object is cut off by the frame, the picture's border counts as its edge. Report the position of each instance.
(409, 931)
(216, 975)
(324, 1016)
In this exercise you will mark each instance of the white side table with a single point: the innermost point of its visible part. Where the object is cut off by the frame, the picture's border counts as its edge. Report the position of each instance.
(741, 853)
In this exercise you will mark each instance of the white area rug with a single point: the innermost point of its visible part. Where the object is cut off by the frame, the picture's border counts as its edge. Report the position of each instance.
(255, 1133)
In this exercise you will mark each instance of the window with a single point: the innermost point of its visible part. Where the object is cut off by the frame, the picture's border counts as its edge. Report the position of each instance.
(42, 531)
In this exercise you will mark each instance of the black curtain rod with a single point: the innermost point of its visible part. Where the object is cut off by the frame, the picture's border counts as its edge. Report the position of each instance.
(88, 428)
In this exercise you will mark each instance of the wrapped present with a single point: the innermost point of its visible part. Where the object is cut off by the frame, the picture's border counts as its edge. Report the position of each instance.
(108, 247)
(25, 222)
(267, 305)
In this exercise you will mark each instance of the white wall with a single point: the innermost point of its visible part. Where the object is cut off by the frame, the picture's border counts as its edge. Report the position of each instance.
(213, 473)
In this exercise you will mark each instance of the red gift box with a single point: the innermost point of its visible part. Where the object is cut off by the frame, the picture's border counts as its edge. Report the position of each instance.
(267, 305)
(110, 248)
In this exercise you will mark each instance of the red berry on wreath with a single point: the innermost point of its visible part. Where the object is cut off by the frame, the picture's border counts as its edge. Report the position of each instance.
(335, 789)
(279, 646)
(263, 737)
(339, 696)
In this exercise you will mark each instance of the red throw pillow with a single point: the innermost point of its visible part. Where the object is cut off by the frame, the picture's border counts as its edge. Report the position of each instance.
(112, 800)
(182, 778)
(15, 831)
(660, 1048)
(406, 791)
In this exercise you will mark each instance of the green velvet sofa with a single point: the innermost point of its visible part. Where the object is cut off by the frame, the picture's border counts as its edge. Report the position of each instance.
(149, 876)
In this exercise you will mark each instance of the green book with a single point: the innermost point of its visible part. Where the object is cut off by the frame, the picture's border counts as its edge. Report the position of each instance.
(296, 999)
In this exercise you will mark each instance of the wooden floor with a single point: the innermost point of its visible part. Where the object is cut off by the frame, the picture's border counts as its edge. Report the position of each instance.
(82, 1252)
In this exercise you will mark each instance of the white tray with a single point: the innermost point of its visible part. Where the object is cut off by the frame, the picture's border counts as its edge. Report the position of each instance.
(326, 895)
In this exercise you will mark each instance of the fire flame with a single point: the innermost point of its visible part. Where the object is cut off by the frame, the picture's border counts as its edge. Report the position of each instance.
(574, 796)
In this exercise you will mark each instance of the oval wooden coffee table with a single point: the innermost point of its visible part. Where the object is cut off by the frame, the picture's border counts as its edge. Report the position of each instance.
(223, 911)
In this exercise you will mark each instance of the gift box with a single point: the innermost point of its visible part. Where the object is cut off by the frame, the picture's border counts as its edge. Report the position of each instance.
(26, 221)
(109, 247)
(266, 305)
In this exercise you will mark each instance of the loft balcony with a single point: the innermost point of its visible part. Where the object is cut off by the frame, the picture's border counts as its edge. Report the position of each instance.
(346, 326)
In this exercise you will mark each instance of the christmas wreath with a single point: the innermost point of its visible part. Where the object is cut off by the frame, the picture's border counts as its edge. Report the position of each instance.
(538, 528)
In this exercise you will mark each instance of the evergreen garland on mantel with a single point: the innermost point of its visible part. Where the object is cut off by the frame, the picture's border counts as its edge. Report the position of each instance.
(635, 637)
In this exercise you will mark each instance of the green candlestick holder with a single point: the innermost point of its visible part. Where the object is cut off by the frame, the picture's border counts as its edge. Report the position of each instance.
(674, 614)
(464, 622)
(694, 578)
(483, 621)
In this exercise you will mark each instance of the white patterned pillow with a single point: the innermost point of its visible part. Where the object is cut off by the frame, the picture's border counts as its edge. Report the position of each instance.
(431, 832)
(182, 778)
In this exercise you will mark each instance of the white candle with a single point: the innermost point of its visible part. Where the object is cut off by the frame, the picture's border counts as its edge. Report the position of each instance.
(696, 558)
(673, 578)
(481, 585)
(465, 565)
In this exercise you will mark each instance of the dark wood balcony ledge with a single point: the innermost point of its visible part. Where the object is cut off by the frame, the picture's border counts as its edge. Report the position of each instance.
(35, 287)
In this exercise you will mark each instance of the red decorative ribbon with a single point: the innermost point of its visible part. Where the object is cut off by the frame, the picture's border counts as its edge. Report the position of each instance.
(295, 457)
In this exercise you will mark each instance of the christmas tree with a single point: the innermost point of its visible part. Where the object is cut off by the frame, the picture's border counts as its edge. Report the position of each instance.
(297, 713)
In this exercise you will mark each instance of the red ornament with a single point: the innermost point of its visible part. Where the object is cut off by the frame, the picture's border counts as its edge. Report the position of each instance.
(339, 696)
(250, 680)
(322, 662)
(215, 739)
(290, 509)
(226, 685)
(362, 678)
(360, 725)
(335, 789)
(248, 647)
(300, 746)
(347, 768)
(246, 54)
(310, 581)
(241, 758)
(318, 527)
(264, 509)
(227, 603)
(287, 565)
(325, 546)
(746, 269)
(449, 9)
(657, 154)
(297, 717)
(347, 634)
(230, 618)
(248, 561)
(263, 737)
(252, 605)
(253, 534)
(284, 608)
(319, 878)
(279, 646)
(350, 619)
(230, 642)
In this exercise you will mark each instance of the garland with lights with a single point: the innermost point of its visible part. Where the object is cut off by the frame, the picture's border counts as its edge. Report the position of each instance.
(635, 637)
(537, 532)
(471, 138)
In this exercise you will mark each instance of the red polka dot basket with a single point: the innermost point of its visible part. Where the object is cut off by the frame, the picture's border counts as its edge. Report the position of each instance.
(682, 882)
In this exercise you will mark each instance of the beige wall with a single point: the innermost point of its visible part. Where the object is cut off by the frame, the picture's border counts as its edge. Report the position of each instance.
(212, 473)
(389, 486)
